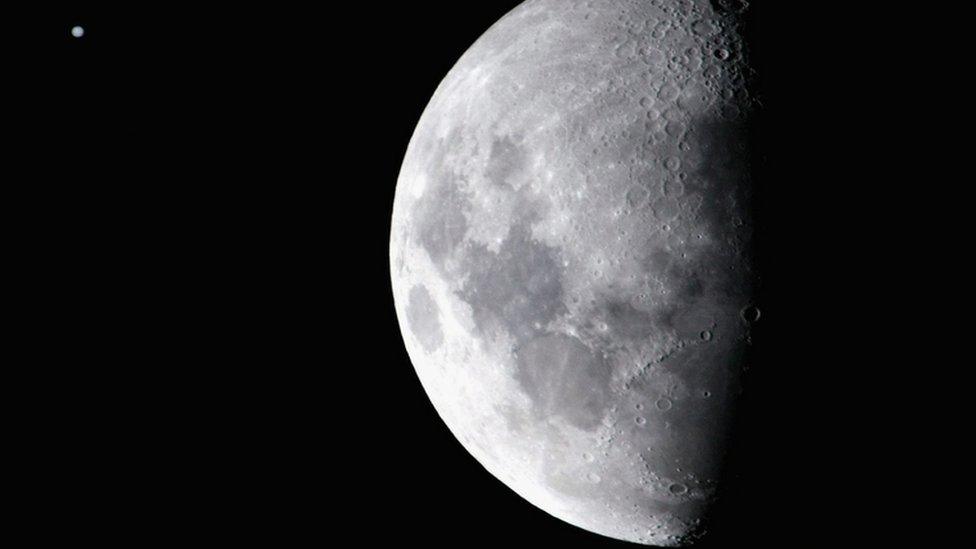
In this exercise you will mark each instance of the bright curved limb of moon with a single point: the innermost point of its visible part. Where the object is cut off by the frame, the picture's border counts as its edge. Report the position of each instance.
(570, 256)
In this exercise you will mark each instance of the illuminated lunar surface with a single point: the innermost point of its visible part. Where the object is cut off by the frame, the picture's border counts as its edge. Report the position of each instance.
(570, 256)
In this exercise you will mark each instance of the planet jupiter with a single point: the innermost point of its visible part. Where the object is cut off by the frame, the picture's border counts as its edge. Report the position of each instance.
(571, 260)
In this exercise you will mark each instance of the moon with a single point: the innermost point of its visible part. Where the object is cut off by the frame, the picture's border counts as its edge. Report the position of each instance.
(571, 256)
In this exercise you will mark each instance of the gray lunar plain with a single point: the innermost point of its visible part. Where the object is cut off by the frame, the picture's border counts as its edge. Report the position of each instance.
(570, 256)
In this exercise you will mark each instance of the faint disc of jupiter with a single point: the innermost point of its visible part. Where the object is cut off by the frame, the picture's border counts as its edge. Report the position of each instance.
(570, 256)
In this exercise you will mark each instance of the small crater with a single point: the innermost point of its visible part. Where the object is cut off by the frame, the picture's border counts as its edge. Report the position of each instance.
(678, 489)
(673, 188)
(653, 56)
(751, 314)
(668, 93)
(706, 335)
(637, 196)
(673, 115)
(674, 129)
(663, 404)
(730, 6)
(640, 420)
(705, 27)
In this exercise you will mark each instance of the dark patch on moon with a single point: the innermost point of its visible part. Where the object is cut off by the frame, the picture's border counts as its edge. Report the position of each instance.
(627, 322)
(441, 221)
(730, 6)
(690, 287)
(506, 159)
(565, 379)
(724, 173)
(520, 287)
(676, 273)
(440, 212)
(424, 317)
(657, 262)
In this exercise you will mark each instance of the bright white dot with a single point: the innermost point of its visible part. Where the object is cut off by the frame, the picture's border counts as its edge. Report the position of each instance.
(77, 31)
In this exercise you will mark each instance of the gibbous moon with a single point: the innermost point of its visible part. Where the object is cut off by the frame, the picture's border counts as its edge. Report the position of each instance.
(570, 256)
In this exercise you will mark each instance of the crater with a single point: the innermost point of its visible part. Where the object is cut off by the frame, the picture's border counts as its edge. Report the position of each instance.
(678, 489)
(751, 314)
